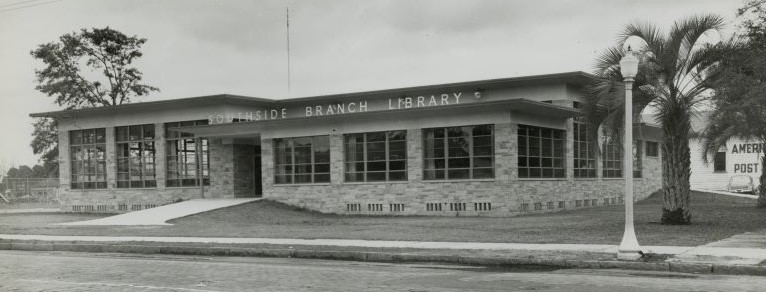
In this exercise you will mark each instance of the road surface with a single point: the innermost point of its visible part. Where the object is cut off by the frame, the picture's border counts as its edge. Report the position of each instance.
(62, 271)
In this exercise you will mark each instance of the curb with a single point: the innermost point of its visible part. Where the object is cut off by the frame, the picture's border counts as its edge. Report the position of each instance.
(463, 257)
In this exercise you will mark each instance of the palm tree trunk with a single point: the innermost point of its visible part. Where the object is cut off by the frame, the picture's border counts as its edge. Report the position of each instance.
(676, 169)
(762, 187)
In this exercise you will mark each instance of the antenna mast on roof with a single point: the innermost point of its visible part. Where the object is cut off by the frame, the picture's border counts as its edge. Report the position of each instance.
(289, 94)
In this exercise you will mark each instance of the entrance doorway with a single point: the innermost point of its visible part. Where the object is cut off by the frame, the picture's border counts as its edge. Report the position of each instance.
(257, 180)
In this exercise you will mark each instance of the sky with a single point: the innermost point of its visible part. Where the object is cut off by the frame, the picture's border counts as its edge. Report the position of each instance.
(203, 47)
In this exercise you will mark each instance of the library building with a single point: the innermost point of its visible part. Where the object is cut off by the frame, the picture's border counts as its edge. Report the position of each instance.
(499, 147)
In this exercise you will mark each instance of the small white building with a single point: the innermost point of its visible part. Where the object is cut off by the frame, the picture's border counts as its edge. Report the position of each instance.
(738, 157)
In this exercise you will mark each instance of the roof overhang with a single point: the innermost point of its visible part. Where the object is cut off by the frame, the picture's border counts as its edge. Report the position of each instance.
(576, 78)
(253, 128)
(159, 105)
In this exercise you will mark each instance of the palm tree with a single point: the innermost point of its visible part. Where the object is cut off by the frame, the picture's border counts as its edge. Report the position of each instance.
(739, 102)
(672, 79)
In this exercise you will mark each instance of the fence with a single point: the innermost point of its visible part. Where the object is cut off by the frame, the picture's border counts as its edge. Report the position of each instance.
(31, 191)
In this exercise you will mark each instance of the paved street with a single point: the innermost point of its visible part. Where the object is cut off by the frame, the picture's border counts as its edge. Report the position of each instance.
(55, 271)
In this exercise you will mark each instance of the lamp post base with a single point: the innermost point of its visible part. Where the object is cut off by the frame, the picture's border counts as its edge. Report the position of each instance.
(629, 255)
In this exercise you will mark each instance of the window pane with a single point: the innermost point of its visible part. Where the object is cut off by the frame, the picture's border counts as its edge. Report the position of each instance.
(379, 150)
(397, 175)
(458, 174)
(122, 133)
(149, 132)
(543, 157)
(322, 178)
(376, 176)
(88, 159)
(397, 165)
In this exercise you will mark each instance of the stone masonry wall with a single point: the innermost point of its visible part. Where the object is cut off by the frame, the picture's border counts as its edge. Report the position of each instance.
(505, 195)
(118, 200)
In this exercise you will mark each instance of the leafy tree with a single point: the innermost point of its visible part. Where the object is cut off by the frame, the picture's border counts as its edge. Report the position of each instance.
(24, 172)
(45, 143)
(739, 100)
(12, 173)
(673, 79)
(90, 68)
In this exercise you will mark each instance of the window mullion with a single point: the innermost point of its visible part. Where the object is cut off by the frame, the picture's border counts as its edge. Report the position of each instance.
(385, 147)
(446, 153)
(292, 162)
(311, 165)
(470, 154)
(364, 156)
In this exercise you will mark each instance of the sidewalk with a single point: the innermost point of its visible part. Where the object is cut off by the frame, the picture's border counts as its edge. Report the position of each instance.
(702, 259)
(161, 214)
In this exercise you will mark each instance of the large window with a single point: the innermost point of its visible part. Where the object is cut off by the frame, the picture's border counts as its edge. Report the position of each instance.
(187, 157)
(584, 152)
(302, 160)
(88, 158)
(458, 153)
(541, 152)
(611, 158)
(135, 156)
(637, 167)
(378, 156)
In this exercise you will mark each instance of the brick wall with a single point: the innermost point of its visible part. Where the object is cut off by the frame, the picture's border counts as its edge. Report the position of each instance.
(109, 200)
(506, 195)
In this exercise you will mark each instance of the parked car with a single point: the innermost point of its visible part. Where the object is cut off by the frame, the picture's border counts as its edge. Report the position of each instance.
(741, 184)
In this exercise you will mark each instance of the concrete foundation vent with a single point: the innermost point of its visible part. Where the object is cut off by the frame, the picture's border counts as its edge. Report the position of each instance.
(375, 207)
(354, 207)
(457, 207)
(82, 208)
(397, 207)
(486, 206)
(433, 207)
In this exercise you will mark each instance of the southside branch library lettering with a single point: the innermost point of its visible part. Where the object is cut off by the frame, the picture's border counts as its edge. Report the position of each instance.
(361, 106)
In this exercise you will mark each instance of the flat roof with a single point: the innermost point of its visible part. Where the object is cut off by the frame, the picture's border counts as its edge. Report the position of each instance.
(575, 78)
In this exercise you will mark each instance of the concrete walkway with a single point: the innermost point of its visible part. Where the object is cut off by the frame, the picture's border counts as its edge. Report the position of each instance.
(159, 215)
(701, 259)
(30, 210)
(741, 253)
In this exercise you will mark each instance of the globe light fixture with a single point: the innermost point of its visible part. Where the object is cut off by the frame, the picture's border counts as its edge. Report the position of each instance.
(629, 248)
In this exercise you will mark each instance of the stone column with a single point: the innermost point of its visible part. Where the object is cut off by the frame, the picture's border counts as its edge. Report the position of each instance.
(111, 158)
(65, 162)
(414, 155)
(267, 167)
(336, 159)
(569, 150)
(506, 163)
(160, 156)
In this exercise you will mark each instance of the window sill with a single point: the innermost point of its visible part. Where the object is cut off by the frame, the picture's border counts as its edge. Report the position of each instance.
(185, 187)
(459, 180)
(374, 182)
(131, 189)
(719, 171)
(301, 184)
(586, 179)
(542, 179)
(87, 190)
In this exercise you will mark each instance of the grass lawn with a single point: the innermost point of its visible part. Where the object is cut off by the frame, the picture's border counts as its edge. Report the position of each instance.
(715, 217)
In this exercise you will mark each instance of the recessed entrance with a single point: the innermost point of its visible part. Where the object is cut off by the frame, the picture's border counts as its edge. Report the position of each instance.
(257, 180)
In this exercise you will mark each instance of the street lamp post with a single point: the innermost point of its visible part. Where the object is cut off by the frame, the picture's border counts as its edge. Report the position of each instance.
(629, 248)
